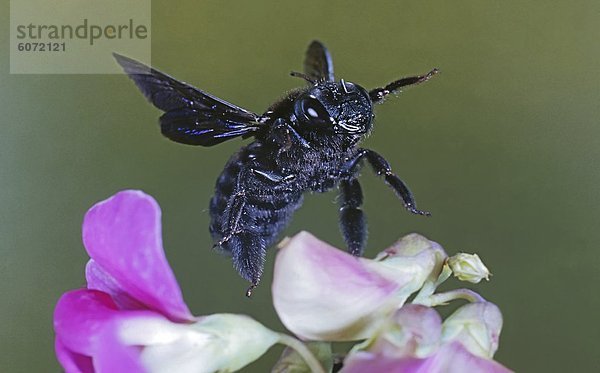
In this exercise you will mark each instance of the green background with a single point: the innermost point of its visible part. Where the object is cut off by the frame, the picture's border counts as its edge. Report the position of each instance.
(502, 147)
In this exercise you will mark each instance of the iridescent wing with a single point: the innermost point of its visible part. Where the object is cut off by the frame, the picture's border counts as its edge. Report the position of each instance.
(191, 116)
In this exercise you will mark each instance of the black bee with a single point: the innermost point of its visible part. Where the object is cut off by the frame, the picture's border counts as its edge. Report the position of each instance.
(307, 141)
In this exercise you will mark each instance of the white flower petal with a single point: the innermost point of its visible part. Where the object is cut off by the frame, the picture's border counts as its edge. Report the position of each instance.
(477, 326)
(219, 342)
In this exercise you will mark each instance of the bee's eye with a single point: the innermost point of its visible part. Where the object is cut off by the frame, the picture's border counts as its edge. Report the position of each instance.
(312, 112)
(310, 109)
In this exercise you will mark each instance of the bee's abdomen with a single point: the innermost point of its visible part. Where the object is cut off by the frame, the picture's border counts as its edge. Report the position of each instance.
(269, 214)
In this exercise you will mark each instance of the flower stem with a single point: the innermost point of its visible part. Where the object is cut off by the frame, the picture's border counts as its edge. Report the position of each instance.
(303, 351)
(443, 298)
(430, 286)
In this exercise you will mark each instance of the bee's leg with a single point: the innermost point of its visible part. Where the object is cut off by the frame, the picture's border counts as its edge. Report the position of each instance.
(233, 214)
(248, 253)
(352, 219)
(248, 250)
(382, 167)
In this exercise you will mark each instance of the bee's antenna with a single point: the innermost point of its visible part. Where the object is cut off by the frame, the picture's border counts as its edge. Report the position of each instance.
(378, 94)
(303, 76)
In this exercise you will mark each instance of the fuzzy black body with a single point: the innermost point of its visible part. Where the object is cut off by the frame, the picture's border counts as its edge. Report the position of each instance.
(306, 142)
(263, 184)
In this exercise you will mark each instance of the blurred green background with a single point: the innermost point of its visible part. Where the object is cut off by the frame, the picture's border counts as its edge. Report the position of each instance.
(503, 147)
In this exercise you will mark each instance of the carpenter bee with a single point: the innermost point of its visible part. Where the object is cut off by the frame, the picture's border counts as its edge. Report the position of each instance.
(307, 141)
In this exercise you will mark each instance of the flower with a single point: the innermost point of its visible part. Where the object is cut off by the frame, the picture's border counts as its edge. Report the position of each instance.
(132, 317)
(322, 293)
(416, 340)
(468, 267)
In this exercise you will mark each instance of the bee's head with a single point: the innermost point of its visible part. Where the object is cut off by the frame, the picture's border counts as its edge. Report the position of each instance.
(341, 107)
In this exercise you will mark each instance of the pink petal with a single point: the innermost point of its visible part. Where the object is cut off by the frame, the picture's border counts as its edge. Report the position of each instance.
(362, 362)
(114, 356)
(72, 362)
(98, 279)
(78, 318)
(123, 236)
(322, 293)
(422, 323)
(452, 358)
(414, 330)
(88, 328)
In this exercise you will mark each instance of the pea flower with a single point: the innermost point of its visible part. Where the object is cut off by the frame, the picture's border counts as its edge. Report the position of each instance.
(416, 340)
(322, 293)
(131, 317)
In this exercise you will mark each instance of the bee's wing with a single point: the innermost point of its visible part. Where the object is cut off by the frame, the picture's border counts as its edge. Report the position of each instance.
(191, 116)
(317, 63)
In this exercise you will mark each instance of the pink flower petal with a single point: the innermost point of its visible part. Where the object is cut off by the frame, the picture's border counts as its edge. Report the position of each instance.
(72, 362)
(79, 316)
(453, 358)
(113, 355)
(98, 279)
(322, 293)
(422, 323)
(326, 294)
(88, 326)
(414, 330)
(362, 361)
(123, 236)
(392, 352)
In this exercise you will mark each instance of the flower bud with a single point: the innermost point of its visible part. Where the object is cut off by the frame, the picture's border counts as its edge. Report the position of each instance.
(468, 267)
(476, 326)
(412, 342)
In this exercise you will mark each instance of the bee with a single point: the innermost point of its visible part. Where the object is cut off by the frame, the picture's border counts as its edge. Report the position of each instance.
(306, 141)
